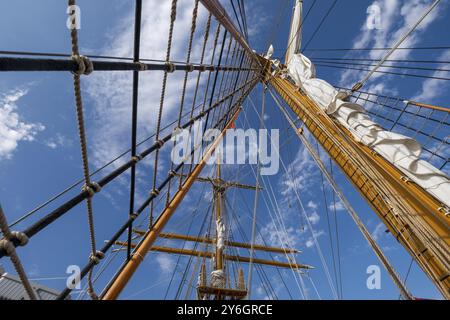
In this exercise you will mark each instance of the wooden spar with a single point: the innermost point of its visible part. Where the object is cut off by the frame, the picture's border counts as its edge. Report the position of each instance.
(210, 255)
(228, 243)
(226, 184)
(147, 242)
(341, 146)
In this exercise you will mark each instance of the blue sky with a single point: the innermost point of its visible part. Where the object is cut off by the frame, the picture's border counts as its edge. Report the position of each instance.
(41, 156)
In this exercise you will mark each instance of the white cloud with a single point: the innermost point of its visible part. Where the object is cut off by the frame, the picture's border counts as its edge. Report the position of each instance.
(314, 218)
(310, 241)
(398, 16)
(432, 88)
(339, 206)
(378, 232)
(166, 263)
(312, 205)
(12, 128)
(110, 92)
(58, 140)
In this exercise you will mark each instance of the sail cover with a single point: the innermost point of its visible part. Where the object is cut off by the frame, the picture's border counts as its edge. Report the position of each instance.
(402, 151)
(295, 34)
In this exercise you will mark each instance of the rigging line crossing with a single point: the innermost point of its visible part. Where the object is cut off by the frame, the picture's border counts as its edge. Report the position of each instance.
(134, 114)
(277, 212)
(6, 244)
(259, 269)
(121, 279)
(244, 14)
(299, 28)
(384, 66)
(237, 18)
(283, 238)
(281, 14)
(384, 72)
(336, 231)
(108, 245)
(359, 84)
(394, 276)
(173, 15)
(324, 18)
(185, 80)
(185, 241)
(313, 233)
(245, 239)
(78, 182)
(388, 60)
(84, 68)
(65, 207)
(264, 279)
(255, 205)
(234, 191)
(383, 49)
(333, 255)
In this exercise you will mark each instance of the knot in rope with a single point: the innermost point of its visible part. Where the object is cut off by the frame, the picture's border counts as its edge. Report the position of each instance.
(190, 67)
(172, 173)
(133, 216)
(97, 257)
(202, 68)
(170, 67)
(92, 188)
(142, 66)
(176, 131)
(22, 237)
(136, 158)
(7, 246)
(159, 143)
(85, 66)
(155, 192)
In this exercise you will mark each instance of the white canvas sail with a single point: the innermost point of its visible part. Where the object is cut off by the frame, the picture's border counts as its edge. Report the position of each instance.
(403, 152)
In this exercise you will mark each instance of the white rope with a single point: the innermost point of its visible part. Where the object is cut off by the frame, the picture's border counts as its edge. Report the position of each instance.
(358, 85)
(310, 227)
(255, 204)
(276, 210)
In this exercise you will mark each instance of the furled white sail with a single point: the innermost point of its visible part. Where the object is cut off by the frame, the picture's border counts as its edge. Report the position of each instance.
(295, 34)
(218, 279)
(220, 234)
(404, 152)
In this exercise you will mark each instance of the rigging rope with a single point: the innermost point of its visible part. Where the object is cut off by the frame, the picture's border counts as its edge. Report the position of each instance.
(359, 84)
(85, 67)
(255, 205)
(134, 113)
(324, 18)
(299, 28)
(307, 219)
(403, 290)
(155, 192)
(7, 245)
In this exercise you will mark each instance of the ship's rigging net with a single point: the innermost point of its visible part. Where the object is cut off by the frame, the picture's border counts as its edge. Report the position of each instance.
(221, 78)
(215, 84)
